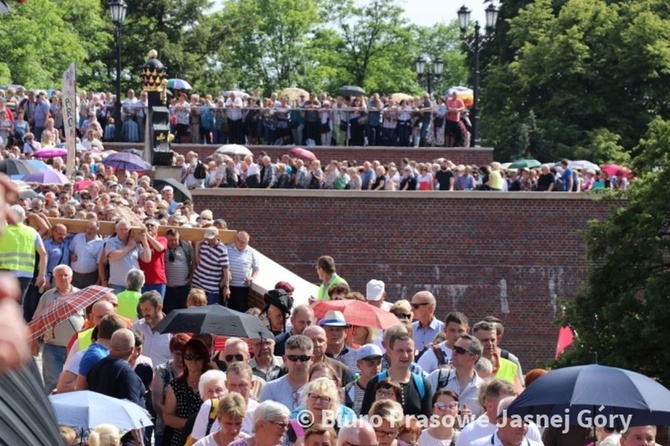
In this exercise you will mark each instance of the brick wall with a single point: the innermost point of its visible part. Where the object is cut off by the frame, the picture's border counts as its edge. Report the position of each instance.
(512, 255)
(360, 154)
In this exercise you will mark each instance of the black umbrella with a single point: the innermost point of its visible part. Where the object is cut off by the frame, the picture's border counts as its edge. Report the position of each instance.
(18, 167)
(181, 193)
(351, 90)
(214, 319)
(582, 393)
(27, 417)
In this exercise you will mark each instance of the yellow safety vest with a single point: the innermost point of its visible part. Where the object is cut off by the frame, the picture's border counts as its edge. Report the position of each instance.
(322, 293)
(84, 339)
(506, 370)
(17, 248)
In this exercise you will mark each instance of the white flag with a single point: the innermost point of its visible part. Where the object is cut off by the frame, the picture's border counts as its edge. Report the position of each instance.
(70, 116)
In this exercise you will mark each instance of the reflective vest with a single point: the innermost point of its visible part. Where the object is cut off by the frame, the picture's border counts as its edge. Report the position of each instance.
(17, 248)
(84, 339)
(506, 370)
(322, 294)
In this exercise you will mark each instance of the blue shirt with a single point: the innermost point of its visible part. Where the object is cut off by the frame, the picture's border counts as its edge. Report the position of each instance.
(91, 357)
(56, 254)
(41, 113)
(568, 180)
(424, 335)
(367, 178)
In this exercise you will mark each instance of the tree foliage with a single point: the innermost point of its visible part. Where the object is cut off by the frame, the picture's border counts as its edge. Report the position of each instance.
(622, 313)
(590, 70)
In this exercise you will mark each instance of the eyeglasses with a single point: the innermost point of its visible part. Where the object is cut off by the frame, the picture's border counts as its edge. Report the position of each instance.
(229, 358)
(419, 305)
(383, 394)
(387, 434)
(404, 315)
(442, 406)
(460, 350)
(314, 397)
(189, 357)
(280, 424)
(301, 358)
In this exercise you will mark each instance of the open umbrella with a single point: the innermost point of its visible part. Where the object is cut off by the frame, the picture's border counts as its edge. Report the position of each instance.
(181, 193)
(464, 93)
(50, 152)
(525, 163)
(303, 154)
(178, 84)
(351, 90)
(239, 93)
(126, 161)
(64, 307)
(214, 319)
(27, 417)
(582, 392)
(20, 167)
(293, 93)
(357, 312)
(584, 165)
(610, 169)
(234, 149)
(397, 97)
(48, 176)
(86, 409)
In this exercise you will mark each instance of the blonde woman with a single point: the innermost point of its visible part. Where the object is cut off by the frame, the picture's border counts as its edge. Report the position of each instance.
(230, 414)
(386, 417)
(104, 435)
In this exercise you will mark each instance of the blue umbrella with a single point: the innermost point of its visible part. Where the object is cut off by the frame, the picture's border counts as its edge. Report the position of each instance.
(595, 392)
(49, 176)
(126, 161)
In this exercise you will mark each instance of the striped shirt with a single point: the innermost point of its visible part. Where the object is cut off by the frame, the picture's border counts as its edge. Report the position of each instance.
(130, 131)
(242, 264)
(209, 272)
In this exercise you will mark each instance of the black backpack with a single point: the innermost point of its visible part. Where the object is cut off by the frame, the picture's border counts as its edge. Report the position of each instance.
(199, 173)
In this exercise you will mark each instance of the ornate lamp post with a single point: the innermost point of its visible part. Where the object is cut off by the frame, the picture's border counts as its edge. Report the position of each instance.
(430, 79)
(118, 10)
(474, 42)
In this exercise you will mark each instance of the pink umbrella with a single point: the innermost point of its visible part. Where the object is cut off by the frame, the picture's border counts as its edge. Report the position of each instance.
(301, 153)
(50, 152)
(613, 169)
(81, 185)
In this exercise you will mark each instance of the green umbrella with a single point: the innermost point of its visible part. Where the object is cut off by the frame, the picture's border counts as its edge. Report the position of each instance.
(525, 163)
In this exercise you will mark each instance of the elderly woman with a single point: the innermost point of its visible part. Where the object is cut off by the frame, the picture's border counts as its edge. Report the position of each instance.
(445, 408)
(402, 309)
(104, 435)
(183, 397)
(229, 416)
(270, 421)
(320, 398)
(212, 387)
(386, 417)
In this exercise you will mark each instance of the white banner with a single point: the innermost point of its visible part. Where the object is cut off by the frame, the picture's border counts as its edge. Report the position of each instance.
(70, 117)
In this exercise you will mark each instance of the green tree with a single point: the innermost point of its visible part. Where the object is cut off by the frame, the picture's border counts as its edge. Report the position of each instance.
(622, 313)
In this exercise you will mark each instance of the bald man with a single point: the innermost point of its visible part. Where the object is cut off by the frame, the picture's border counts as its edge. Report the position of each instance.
(427, 326)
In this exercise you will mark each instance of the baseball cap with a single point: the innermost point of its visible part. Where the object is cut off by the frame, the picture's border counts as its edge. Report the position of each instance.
(333, 318)
(375, 290)
(368, 351)
(210, 233)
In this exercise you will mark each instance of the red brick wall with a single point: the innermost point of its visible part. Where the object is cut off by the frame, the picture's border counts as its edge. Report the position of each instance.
(383, 154)
(512, 255)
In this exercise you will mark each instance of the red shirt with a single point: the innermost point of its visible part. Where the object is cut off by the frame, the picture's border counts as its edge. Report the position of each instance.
(454, 103)
(154, 270)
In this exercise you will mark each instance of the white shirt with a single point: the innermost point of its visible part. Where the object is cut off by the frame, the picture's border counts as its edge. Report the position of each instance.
(469, 395)
(482, 429)
(281, 391)
(494, 440)
(428, 361)
(201, 421)
(156, 345)
(233, 109)
(425, 439)
(88, 253)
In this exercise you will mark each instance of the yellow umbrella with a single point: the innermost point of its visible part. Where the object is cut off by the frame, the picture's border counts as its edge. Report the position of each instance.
(397, 97)
(293, 93)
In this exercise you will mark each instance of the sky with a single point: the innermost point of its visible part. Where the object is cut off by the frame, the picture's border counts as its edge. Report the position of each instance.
(430, 12)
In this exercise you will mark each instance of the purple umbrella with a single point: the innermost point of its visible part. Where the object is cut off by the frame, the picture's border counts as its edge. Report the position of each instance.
(126, 161)
(49, 176)
(50, 152)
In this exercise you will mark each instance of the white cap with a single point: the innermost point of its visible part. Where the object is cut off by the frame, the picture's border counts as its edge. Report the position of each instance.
(210, 233)
(368, 351)
(375, 290)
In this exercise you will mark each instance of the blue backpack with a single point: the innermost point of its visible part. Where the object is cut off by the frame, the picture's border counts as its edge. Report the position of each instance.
(418, 382)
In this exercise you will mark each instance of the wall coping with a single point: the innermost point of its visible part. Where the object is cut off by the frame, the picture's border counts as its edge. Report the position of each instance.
(409, 195)
(138, 145)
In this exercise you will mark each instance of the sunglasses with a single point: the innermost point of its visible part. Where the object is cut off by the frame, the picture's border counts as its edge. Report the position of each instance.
(192, 357)
(460, 350)
(238, 357)
(417, 306)
(404, 316)
(442, 406)
(301, 358)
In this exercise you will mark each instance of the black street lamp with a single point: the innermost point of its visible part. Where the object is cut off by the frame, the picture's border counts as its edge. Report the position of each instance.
(118, 10)
(474, 42)
(428, 80)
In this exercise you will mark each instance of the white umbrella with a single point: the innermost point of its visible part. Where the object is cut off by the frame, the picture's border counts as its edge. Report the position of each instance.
(584, 165)
(234, 149)
(86, 409)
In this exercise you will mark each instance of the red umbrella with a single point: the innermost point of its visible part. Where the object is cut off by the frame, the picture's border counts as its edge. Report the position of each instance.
(81, 185)
(613, 169)
(301, 153)
(357, 312)
(64, 307)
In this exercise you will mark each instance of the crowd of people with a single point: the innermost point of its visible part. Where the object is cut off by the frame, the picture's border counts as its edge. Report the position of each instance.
(245, 119)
